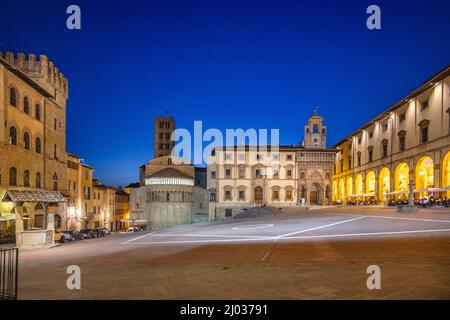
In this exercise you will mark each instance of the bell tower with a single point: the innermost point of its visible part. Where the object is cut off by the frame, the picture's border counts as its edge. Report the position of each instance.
(315, 133)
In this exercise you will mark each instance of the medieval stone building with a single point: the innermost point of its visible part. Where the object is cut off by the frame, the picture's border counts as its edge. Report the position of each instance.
(246, 176)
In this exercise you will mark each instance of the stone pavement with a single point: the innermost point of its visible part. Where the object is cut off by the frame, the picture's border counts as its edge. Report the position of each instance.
(413, 267)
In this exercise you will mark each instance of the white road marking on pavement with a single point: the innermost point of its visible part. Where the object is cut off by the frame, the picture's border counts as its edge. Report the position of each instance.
(368, 234)
(320, 227)
(207, 235)
(204, 241)
(387, 217)
(253, 227)
(131, 240)
(412, 219)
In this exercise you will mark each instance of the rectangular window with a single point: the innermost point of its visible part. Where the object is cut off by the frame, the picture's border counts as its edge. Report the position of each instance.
(424, 132)
(370, 134)
(359, 160)
(402, 143)
(227, 195)
(385, 150)
(289, 157)
(424, 105)
(402, 117)
(241, 173)
(241, 194)
(385, 127)
(289, 173)
(276, 173)
(227, 173)
(213, 174)
(258, 173)
(359, 140)
(288, 195)
(370, 155)
(275, 195)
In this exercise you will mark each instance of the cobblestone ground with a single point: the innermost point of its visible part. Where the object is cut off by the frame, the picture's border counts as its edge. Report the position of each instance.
(413, 265)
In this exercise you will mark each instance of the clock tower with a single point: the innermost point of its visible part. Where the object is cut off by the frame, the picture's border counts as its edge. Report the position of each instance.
(315, 133)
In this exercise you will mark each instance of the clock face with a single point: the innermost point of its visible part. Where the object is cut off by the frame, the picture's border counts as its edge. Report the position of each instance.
(316, 141)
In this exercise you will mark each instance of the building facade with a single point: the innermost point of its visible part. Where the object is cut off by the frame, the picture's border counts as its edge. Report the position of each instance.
(33, 95)
(407, 143)
(104, 205)
(168, 195)
(121, 217)
(80, 200)
(242, 177)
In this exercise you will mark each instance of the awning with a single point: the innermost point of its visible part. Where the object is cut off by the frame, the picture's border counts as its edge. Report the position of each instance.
(443, 189)
(421, 190)
(398, 192)
(370, 194)
(33, 196)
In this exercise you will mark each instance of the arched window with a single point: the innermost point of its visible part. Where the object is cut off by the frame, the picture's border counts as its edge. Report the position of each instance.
(55, 182)
(13, 176)
(424, 124)
(55, 152)
(26, 141)
(13, 136)
(55, 123)
(13, 97)
(38, 112)
(38, 180)
(26, 105)
(26, 178)
(38, 145)
(315, 128)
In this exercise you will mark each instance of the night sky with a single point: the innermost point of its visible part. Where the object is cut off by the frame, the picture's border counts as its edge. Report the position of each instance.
(232, 64)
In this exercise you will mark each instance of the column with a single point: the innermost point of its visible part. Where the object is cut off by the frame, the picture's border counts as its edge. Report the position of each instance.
(19, 224)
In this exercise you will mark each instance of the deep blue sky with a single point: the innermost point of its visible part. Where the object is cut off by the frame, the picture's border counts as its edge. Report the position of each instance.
(233, 64)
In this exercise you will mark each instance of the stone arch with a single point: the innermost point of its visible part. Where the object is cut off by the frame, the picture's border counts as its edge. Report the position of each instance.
(349, 186)
(424, 175)
(445, 168)
(370, 182)
(359, 185)
(384, 184)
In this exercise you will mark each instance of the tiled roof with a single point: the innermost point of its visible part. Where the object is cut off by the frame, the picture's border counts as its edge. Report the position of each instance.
(170, 173)
(33, 196)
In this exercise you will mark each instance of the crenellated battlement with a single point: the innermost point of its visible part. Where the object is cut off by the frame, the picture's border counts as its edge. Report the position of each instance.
(43, 71)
